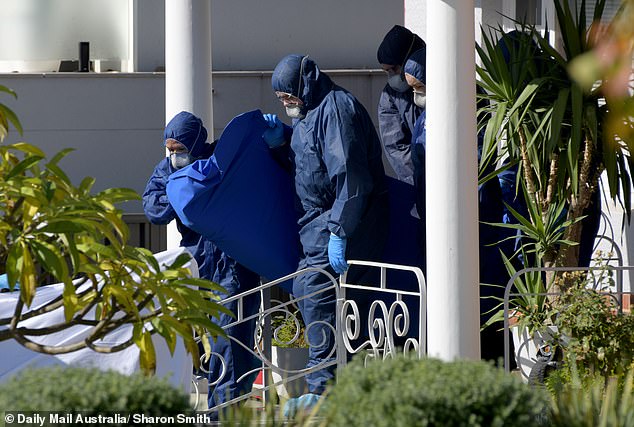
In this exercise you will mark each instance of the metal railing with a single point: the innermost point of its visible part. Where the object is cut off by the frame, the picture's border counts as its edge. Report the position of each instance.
(612, 261)
(598, 284)
(388, 320)
(385, 324)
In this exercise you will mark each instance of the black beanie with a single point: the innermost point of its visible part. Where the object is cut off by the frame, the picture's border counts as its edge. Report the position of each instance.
(397, 45)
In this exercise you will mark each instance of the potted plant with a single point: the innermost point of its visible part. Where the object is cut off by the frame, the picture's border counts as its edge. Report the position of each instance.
(528, 314)
(289, 352)
(582, 326)
(596, 336)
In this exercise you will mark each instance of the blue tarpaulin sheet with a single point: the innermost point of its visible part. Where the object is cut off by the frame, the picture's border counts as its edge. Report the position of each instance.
(242, 200)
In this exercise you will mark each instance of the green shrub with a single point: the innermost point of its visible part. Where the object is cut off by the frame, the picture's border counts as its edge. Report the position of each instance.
(593, 403)
(55, 231)
(408, 392)
(91, 391)
(596, 337)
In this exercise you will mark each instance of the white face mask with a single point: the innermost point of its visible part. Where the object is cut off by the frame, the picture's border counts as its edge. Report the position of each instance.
(420, 99)
(397, 82)
(180, 160)
(294, 111)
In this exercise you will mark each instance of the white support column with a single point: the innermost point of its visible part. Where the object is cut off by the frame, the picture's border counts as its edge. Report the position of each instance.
(478, 24)
(187, 67)
(509, 14)
(452, 202)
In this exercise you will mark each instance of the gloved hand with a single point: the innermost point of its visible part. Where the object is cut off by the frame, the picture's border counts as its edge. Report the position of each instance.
(337, 253)
(274, 134)
(304, 403)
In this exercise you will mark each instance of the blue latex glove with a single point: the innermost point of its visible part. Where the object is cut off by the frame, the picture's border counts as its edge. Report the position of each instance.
(337, 253)
(305, 403)
(274, 134)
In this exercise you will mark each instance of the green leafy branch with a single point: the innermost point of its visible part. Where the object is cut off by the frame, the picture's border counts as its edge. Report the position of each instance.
(52, 231)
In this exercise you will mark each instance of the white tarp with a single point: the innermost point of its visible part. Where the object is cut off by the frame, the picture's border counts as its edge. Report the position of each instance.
(14, 357)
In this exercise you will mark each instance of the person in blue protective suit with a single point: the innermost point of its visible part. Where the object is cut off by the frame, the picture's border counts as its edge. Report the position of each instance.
(415, 70)
(490, 209)
(185, 137)
(340, 181)
(397, 110)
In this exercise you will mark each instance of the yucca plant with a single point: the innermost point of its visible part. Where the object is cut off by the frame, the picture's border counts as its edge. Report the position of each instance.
(553, 131)
(52, 231)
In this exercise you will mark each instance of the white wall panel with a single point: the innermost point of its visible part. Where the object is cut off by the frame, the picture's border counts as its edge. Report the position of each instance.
(115, 121)
(255, 35)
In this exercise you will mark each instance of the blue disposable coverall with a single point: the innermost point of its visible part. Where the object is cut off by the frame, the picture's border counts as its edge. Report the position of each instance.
(397, 111)
(340, 181)
(416, 67)
(213, 264)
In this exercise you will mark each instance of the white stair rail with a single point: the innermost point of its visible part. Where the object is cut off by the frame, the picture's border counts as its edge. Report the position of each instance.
(385, 324)
(263, 317)
(389, 323)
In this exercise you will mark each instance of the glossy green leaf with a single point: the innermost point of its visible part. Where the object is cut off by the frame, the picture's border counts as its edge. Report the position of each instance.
(50, 257)
(27, 148)
(71, 301)
(559, 111)
(21, 167)
(147, 353)
(27, 275)
(7, 113)
(59, 156)
(62, 226)
(117, 195)
(166, 332)
(86, 185)
(123, 297)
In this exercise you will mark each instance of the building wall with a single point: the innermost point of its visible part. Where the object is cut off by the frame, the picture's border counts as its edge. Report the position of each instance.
(149, 35)
(491, 13)
(415, 17)
(255, 35)
(115, 121)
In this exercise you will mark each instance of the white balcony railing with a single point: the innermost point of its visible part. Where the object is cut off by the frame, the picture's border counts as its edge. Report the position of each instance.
(376, 320)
